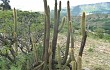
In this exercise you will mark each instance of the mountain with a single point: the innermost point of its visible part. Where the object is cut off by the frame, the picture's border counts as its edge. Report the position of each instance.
(97, 8)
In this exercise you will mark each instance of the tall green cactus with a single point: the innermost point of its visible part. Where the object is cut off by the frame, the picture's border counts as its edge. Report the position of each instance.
(73, 65)
(49, 60)
(62, 24)
(56, 24)
(15, 29)
(47, 35)
(84, 36)
(79, 63)
(68, 36)
(83, 24)
(49, 51)
(50, 56)
(59, 57)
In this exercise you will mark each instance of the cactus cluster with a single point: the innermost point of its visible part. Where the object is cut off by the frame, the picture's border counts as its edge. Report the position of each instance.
(49, 60)
(50, 48)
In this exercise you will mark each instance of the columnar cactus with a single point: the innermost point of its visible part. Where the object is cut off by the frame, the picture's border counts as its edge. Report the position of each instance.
(49, 62)
(68, 36)
(15, 29)
(84, 36)
(47, 33)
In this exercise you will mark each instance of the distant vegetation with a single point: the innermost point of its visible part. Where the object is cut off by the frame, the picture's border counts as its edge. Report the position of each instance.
(96, 8)
(97, 24)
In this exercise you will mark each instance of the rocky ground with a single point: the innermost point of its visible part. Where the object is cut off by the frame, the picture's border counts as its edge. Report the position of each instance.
(96, 55)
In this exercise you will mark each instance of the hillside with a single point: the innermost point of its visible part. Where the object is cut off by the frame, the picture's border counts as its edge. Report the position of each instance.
(30, 40)
(95, 21)
(97, 8)
(102, 8)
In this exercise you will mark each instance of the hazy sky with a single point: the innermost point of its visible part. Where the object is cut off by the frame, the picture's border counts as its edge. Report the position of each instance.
(37, 5)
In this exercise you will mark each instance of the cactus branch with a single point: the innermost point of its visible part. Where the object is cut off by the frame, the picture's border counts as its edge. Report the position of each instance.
(79, 63)
(84, 34)
(47, 37)
(83, 24)
(62, 24)
(55, 34)
(68, 36)
(15, 29)
(59, 57)
(50, 57)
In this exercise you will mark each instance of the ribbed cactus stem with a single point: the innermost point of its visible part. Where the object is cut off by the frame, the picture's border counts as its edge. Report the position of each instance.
(72, 54)
(71, 34)
(83, 24)
(15, 30)
(73, 65)
(50, 49)
(59, 57)
(68, 11)
(48, 11)
(44, 38)
(45, 7)
(72, 41)
(79, 63)
(56, 26)
(84, 34)
(59, 5)
(54, 41)
(62, 24)
(73, 61)
(68, 36)
(47, 35)
(50, 56)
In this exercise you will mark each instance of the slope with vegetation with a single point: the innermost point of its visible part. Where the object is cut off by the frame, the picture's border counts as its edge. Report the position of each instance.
(21, 29)
(33, 41)
(28, 43)
(97, 25)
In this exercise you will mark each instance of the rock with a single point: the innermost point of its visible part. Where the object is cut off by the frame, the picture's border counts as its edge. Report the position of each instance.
(85, 68)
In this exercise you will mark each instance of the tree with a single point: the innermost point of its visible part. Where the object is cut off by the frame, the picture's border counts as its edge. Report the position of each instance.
(5, 5)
